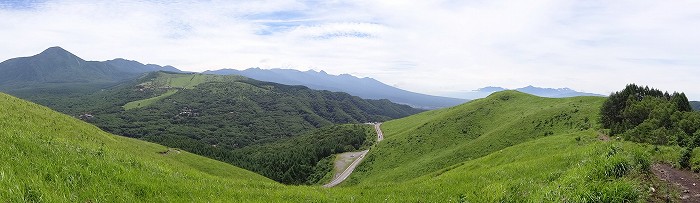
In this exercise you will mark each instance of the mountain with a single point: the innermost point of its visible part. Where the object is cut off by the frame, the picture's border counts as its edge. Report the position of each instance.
(695, 105)
(555, 93)
(366, 88)
(538, 91)
(57, 67)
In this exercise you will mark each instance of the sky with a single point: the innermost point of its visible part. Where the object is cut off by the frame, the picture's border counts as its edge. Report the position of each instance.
(440, 47)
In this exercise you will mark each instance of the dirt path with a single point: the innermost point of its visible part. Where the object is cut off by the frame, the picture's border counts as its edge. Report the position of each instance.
(687, 181)
(342, 161)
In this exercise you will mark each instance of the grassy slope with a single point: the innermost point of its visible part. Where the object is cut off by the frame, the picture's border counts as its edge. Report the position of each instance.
(53, 157)
(176, 81)
(149, 101)
(573, 170)
(427, 142)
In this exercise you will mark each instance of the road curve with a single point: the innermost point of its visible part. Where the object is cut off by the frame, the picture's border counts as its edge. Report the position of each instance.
(346, 173)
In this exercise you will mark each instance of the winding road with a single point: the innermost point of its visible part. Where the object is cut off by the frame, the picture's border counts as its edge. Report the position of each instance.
(346, 173)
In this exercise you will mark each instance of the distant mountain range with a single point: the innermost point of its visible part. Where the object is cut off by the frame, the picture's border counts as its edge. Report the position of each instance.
(56, 66)
(366, 88)
(695, 105)
(538, 91)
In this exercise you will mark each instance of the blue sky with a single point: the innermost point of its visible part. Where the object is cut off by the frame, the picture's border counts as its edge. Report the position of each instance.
(435, 47)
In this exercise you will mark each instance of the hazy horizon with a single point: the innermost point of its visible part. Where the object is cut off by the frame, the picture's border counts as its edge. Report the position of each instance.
(437, 47)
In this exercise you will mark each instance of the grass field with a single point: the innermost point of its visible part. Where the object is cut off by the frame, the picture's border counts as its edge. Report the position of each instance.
(173, 82)
(50, 157)
(430, 141)
(149, 101)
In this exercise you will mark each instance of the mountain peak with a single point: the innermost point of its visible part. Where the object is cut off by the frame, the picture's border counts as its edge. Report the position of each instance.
(58, 52)
(54, 50)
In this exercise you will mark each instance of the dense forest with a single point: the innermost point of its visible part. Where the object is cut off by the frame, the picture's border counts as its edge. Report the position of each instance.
(648, 115)
(307, 158)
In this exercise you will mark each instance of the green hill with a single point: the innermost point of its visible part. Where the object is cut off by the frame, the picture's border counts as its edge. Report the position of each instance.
(50, 157)
(430, 141)
(695, 105)
(172, 82)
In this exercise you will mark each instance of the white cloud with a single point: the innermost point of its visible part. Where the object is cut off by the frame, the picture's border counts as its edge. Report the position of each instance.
(426, 46)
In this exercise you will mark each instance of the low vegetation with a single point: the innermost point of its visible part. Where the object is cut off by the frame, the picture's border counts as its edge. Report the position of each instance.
(431, 141)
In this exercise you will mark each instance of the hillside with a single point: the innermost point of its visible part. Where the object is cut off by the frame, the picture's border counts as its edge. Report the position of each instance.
(366, 88)
(695, 105)
(51, 157)
(430, 141)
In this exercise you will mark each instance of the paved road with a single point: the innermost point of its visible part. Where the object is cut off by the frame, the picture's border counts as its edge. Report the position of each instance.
(380, 135)
(346, 173)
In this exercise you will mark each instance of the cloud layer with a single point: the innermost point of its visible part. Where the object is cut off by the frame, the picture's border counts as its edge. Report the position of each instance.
(437, 47)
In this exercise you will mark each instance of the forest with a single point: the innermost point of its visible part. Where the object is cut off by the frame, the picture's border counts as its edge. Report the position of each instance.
(648, 115)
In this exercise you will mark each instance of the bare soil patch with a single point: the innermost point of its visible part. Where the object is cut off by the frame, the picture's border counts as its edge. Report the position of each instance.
(687, 181)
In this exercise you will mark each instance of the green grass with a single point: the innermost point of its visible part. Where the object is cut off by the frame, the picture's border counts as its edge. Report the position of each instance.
(50, 157)
(149, 101)
(430, 141)
(173, 82)
(559, 168)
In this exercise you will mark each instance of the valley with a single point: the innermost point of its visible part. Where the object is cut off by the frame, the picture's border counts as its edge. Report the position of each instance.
(349, 101)
(166, 136)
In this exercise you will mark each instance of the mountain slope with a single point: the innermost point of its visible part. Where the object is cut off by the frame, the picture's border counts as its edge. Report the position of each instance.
(427, 142)
(56, 65)
(130, 66)
(695, 105)
(367, 88)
